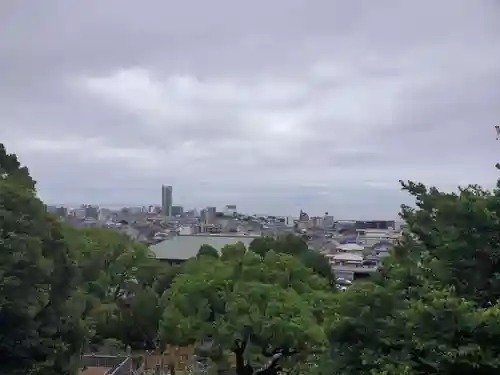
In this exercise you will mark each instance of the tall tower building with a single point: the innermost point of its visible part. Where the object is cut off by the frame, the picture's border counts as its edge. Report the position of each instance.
(211, 215)
(166, 200)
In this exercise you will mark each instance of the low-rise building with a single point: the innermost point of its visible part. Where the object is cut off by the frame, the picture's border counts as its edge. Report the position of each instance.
(178, 249)
(381, 249)
(351, 248)
(345, 259)
(289, 221)
(370, 237)
(177, 210)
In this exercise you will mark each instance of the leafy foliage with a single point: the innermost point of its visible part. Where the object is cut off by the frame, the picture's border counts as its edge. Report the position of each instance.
(40, 309)
(12, 171)
(124, 284)
(296, 246)
(433, 308)
(207, 250)
(262, 309)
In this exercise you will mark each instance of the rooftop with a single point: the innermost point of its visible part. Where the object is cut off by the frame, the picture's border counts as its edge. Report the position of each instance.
(346, 257)
(187, 246)
(350, 247)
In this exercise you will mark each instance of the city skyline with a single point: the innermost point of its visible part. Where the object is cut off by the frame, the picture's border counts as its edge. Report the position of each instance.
(219, 209)
(272, 106)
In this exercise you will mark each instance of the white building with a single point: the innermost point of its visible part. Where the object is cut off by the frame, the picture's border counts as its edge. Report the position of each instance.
(289, 221)
(345, 259)
(328, 221)
(79, 213)
(185, 230)
(230, 210)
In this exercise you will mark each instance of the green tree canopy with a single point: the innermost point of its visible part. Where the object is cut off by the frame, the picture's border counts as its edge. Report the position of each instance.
(433, 308)
(267, 311)
(453, 237)
(296, 246)
(11, 170)
(207, 250)
(40, 307)
(124, 284)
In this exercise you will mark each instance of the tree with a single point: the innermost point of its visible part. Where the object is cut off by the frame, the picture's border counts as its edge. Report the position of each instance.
(286, 244)
(11, 170)
(40, 308)
(319, 264)
(433, 308)
(294, 245)
(376, 330)
(124, 283)
(262, 245)
(454, 239)
(207, 250)
(267, 311)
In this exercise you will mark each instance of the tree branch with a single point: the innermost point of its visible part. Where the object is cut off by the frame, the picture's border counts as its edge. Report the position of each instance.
(241, 345)
(276, 356)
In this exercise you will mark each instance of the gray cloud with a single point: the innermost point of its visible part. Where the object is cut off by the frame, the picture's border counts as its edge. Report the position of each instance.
(271, 105)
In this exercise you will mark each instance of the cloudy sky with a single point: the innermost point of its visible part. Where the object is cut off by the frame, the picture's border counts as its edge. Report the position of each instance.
(272, 105)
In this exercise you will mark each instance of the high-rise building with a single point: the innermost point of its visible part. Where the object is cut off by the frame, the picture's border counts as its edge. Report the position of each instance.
(208, 215)
(211, 215)
(203, 216)
(328, 221)
(91, 212)
(51, 209)
(61, 211)
(166, 200)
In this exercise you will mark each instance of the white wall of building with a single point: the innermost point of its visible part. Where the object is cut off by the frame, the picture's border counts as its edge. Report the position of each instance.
(185, 230)
(230, 210)
(289, 221)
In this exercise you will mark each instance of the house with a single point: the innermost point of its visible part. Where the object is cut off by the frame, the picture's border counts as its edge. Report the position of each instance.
(329, 247)
(381, 249)
(351, 248)
(345, 259)
(349, 238)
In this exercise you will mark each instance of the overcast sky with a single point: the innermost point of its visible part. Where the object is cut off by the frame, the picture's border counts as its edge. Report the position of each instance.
(273, 105)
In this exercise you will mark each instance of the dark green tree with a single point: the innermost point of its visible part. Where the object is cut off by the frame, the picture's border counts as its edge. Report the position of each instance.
(262, 245)
(433, 308)
(454, 238)
(207, 250)
(41, 330)
(11, 170)
(124, 283)
(294, 245)
(268, 312)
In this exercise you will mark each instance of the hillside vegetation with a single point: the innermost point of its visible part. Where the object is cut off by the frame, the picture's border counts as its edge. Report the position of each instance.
(269, 309)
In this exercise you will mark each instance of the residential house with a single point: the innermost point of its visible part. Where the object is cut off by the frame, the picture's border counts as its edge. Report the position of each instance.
(381, 249)
(351, 248)
(345, 259)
